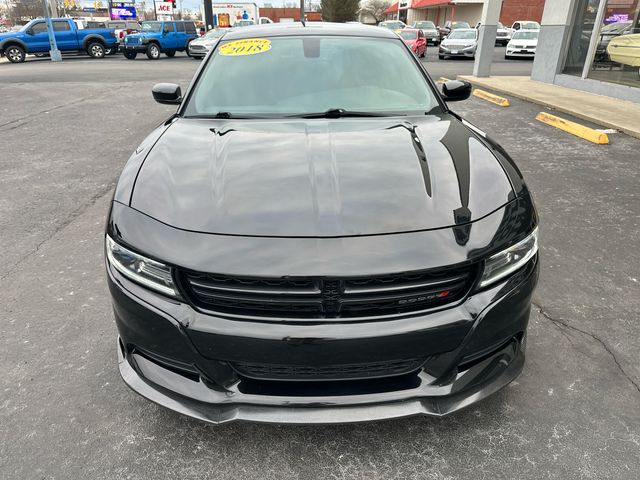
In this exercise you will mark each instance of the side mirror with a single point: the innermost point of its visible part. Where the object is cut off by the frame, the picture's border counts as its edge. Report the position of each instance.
(167, 93)
(456, 90)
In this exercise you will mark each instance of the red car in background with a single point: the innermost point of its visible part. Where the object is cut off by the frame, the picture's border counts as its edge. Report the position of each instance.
(415, 40)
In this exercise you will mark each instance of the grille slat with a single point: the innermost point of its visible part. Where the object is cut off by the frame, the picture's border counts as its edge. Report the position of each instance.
(265, 371)
(328, 297)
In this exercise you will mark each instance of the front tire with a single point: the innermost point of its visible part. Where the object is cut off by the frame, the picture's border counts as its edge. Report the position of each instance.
(130, 55)
(96, 50)
(441, 57)
(153, 51)
(15, 54)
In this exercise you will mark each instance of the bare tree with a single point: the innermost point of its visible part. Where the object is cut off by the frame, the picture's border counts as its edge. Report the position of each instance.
(339, 10)
(376, 8)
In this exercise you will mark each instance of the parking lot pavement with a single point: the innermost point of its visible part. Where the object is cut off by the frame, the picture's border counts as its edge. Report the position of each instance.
(65, 413)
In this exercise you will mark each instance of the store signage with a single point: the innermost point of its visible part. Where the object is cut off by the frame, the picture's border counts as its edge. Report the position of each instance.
(164, 8)
(121, 11)
(404, 5)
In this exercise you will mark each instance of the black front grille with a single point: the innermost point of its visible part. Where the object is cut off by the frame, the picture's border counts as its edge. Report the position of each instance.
(326, 297)
(262, 371)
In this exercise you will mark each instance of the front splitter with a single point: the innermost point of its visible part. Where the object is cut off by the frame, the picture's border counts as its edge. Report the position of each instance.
(227, 409)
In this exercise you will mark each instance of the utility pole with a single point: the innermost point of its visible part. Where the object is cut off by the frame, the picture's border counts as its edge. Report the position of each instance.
(55, 54)
(302, 11)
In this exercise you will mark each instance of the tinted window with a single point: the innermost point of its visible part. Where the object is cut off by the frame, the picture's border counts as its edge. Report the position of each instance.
(118, 25)
(59, 26)
(179, 27)
(190, 27)
(39, 27)
(168, 27)
(299, 75)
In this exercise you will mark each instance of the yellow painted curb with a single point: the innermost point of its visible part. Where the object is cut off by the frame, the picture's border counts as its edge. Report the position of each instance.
(490, 97)
(574, 128)
(443, 80)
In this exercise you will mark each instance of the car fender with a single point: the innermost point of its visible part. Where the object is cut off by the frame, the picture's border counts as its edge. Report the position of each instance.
(13, 41)
(97, 38)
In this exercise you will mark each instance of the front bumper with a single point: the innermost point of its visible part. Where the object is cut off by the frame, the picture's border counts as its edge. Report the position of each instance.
(521, 52)
(183, 359)
(454, 52)
(137, 47)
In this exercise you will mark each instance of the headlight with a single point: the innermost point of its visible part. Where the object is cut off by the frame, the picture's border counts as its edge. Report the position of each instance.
(143, 270)
(508, 261)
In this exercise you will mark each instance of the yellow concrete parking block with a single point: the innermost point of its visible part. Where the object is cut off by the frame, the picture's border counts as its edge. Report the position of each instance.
(490, 97)
(574, 128)
(443, 80)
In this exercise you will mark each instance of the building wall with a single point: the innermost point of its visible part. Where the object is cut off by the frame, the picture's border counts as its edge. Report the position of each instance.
(276, 14)
(513, 10)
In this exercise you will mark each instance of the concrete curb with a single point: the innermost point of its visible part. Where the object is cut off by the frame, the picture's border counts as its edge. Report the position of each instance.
(598, 109)
(573, 128)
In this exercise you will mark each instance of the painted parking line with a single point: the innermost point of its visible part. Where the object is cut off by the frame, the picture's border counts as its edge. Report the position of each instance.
(574, 128)
(490, 97)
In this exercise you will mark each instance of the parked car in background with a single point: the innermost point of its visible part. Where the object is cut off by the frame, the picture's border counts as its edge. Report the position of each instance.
(199, 47)
(122, 28)
(393, 25)
(461, 42)
(522, 44)
(243, 23)
(431, 33)
(157, 37)
(625, 49)
(523, 25)
(415, 40)
(503, 35)
(265, 20)
(34, 38)
(608, 33)
(449, 26)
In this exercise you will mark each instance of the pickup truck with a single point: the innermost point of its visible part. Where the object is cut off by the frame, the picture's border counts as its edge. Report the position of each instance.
(34, 38)
(156, 37)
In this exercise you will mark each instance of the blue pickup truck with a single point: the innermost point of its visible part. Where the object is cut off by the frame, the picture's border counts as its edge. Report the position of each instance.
(34, 38)
(158, 37)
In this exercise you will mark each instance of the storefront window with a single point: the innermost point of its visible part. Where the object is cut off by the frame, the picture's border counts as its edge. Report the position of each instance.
(617, 55)
(582, 28)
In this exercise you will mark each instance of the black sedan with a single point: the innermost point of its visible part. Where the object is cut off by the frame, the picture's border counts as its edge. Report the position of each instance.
(310, 240)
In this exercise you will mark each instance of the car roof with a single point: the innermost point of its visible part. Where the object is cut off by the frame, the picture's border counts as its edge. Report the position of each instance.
(464, 30)
(311, 28)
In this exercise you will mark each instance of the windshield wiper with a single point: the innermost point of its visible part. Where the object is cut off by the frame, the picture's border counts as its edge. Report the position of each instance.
(342, 113)
(240, 116)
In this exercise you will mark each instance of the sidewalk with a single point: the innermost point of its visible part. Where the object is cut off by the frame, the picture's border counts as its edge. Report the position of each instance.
(606, 111)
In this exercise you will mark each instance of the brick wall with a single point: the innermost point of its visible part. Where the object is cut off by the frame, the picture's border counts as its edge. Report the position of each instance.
(513, 10)
(276, 14)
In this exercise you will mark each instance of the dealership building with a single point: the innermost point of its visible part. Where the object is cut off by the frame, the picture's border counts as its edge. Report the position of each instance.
(591, 45)
(441, 11)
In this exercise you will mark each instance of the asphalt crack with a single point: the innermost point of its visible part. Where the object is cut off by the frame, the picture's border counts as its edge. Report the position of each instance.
(29, 118)
(72, 216)
(562, 323)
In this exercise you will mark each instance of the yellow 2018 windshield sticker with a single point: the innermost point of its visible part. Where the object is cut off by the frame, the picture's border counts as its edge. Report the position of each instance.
(249, 46)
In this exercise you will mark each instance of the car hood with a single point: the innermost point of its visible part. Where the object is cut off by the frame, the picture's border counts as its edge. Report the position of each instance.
(319, 178)
(458, 42)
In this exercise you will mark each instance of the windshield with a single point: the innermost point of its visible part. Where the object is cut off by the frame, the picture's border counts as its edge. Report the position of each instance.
(151, 26)
(530, 26)
(525, 35)
(462, 35)
(294, 76)
(213, 34)
(455, 25)
(408, 34)
(425, 25)
(392, 25)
